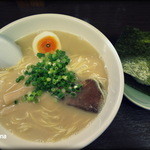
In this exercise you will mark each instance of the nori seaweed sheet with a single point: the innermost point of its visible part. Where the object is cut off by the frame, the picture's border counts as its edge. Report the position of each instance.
(129, 80)
(133, 47)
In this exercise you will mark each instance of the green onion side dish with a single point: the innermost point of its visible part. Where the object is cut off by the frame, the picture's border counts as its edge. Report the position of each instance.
(50, 75)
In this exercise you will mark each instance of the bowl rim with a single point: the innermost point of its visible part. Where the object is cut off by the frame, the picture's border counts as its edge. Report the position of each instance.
(120, 70)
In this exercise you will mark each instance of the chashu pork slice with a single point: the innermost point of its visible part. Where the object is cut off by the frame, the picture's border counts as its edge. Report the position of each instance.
(89, 98)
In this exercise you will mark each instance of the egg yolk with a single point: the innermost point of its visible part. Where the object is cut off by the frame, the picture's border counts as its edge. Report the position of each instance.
(47, 44)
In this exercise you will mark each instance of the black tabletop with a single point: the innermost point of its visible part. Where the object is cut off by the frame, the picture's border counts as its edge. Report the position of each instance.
(131, 127)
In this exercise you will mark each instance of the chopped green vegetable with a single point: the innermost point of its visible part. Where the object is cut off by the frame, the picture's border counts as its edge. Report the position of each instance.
(51, 75)
(16, 102)
(133, 48)
(39, 55)
(20, 78)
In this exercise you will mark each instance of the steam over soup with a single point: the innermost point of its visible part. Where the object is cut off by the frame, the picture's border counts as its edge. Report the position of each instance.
(51, 119)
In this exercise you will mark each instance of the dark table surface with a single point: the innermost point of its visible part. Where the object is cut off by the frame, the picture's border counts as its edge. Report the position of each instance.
(131, 127)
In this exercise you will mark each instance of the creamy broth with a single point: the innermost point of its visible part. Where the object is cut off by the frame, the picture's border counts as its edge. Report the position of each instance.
(48, 120)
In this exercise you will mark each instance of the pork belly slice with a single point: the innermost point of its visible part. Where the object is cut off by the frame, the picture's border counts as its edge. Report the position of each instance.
(89, 98)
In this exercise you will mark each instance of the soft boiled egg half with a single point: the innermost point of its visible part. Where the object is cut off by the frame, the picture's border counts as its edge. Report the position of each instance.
(46, 42)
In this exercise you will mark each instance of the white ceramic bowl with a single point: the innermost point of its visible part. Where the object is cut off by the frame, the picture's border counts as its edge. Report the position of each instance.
(73, 25)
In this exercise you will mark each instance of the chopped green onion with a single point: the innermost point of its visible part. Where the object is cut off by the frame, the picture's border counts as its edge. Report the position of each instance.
(16, 102)
(50, 74)
(40, 55)
(20, 78)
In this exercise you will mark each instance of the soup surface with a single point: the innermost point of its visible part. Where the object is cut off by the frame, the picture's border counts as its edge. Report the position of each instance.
(48, 120)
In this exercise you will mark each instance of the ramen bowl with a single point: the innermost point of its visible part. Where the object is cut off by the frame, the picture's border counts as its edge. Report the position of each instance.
(58, 22)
